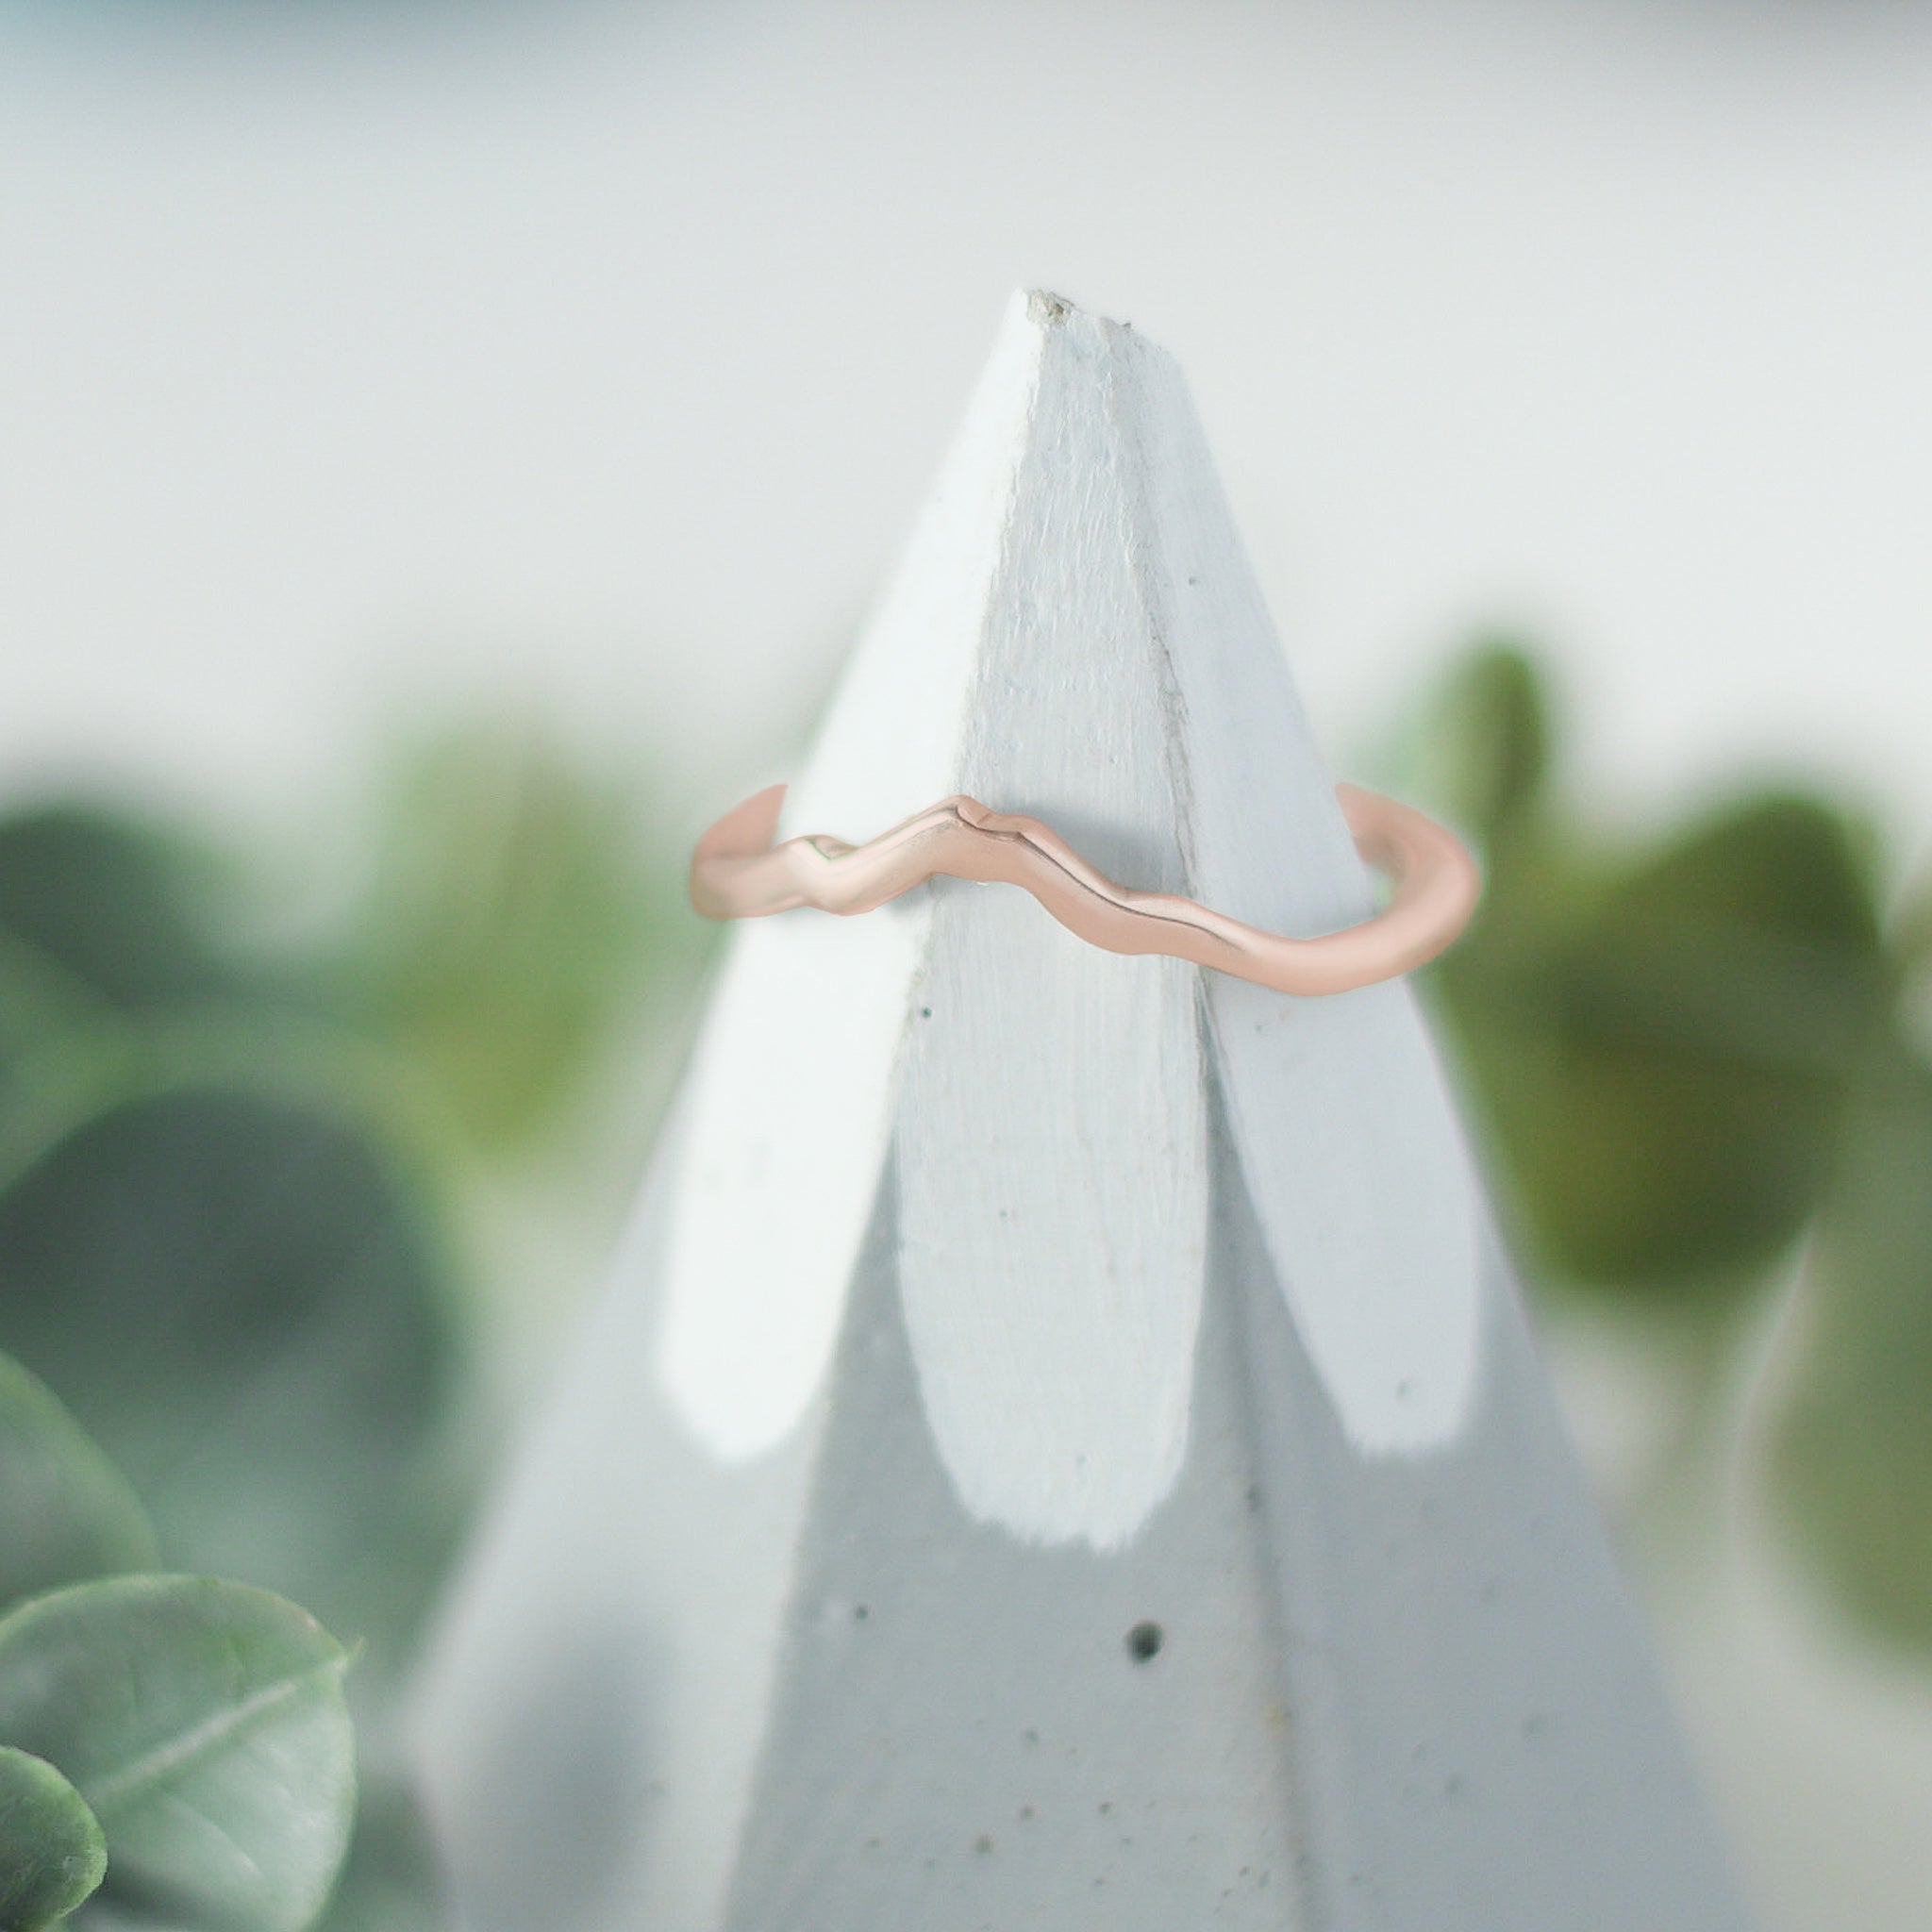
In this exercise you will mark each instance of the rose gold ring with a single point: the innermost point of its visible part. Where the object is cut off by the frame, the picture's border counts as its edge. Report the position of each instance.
(738, 873)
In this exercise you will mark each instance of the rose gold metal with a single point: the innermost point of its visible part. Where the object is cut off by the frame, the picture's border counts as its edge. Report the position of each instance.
(737, 872)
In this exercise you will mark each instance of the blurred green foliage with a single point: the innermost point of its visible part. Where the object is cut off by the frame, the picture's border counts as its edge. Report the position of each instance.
(234, 1171)
(1692, 1055)
(66, 1512)
(511, 915)
(241, 1302)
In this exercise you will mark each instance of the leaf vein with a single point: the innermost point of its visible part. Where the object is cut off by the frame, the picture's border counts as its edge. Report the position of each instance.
(134, 1779)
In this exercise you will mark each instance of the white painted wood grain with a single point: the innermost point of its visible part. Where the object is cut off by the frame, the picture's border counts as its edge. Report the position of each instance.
(790, 1112)
(1052, 1170)
(1341, 1116)
(1051, 1158)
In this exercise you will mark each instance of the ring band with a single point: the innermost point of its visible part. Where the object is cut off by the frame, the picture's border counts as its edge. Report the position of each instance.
(738, 873)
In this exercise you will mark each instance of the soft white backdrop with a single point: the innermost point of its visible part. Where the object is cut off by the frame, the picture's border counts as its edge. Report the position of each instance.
(361, 357)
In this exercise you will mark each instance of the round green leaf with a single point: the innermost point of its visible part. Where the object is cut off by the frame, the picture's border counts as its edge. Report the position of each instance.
(66, 1512)
(1487, 752)
(107, 903)
(204, 1724)
(242, 1304)
(1665, 1067)
(1854, 1450)
(52, 1853)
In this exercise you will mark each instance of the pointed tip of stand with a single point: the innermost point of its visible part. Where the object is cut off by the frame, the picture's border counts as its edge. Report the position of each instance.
(1043, 319)
(1046, 307)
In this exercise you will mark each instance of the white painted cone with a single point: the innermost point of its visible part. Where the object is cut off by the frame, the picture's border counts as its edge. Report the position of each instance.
(1059, 1450)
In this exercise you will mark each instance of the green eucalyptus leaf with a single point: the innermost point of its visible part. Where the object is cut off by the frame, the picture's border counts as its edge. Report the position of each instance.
(66, 1512)
(52, 1853)
(1853, 1457)
(108, 904)
(1665, 1065)
(1486, 756)
(1909, 951)
(1751, 939)
(239, 1300)
(204, 1724)
(512, 920)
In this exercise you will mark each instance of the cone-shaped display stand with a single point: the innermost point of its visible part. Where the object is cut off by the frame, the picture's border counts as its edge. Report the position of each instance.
(1061, 1449)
